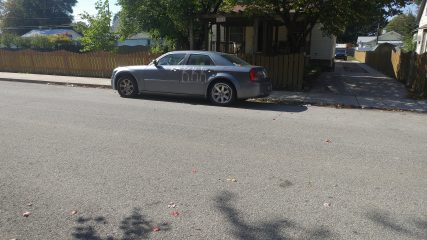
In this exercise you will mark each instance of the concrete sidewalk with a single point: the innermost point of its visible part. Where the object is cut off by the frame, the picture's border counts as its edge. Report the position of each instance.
(55, 79)
(314, 98)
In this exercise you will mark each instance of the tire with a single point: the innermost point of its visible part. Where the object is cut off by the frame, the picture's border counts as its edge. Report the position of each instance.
(127, 87)
(222, 93)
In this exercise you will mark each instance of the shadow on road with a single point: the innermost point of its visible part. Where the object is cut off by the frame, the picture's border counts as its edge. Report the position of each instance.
(135, 226)
(249, 105)
(416, 228)
(274, 229)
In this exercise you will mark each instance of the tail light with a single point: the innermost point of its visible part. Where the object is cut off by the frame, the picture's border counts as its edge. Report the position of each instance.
(253, 74)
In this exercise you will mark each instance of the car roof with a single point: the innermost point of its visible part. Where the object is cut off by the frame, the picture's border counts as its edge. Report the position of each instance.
(197, 52)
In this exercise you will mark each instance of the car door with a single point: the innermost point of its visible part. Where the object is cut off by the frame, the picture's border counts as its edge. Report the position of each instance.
(165, 76)
(196, 73)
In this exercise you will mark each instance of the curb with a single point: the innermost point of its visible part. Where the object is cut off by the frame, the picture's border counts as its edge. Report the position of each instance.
(56, 83)
(265, 100)
(337, 105)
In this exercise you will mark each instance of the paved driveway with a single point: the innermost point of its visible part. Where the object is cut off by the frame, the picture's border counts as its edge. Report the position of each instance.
(357, 79)
(299, 172)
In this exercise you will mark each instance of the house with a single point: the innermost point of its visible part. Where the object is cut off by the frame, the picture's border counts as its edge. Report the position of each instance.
(366, 43)
(391, 37)
(236, 32)
(369, 43)
(421, 36)
(73, 35)
(140, 39)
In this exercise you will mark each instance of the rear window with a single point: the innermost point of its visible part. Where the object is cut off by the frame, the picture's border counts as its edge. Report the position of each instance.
(235, 60)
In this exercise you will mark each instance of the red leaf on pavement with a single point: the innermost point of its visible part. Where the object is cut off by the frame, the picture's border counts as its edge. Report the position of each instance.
(175, 213)
(156, 229)
(26, 214)
(194, 171)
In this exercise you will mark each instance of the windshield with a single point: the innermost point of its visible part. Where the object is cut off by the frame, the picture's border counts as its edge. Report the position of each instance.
(235, 60)
(341, 51)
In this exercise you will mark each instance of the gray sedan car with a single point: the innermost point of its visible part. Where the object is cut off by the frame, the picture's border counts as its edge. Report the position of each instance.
(221, 78)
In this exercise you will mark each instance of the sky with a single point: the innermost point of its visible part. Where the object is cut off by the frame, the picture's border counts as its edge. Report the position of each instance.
(89, 6)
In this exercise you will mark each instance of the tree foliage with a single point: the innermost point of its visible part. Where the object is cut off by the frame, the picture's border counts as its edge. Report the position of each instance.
(403, 24)
(98, 35)
(172, 20)
(21, 16)
(79, 27)
(55, 42)
(300, 16)
(169, 20)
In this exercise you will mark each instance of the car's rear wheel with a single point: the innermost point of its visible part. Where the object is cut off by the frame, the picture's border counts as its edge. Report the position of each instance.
(222, 93)
(127, 87)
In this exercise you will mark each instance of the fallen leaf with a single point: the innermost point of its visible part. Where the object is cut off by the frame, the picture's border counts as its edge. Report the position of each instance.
(156, 229)
(74, 212)
(194, 171)
(175, 213)
(171, 205)
(26, 214)
(328, 141)
(327, 204)
(29, 204)
(231, 179)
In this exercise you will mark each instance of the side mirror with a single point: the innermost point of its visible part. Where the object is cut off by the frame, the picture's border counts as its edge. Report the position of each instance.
(155, 63)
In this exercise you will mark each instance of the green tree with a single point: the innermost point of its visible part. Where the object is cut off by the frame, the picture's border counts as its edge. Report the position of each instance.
(21, 16)
(403, 24)
(175, 20)
(98, 35)
(79, 27)
(300, 16)
(9, 40)
(171, 22)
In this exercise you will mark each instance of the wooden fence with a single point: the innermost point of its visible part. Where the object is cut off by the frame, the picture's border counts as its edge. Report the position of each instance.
(286, 71)
(408, 68)
(99, 64)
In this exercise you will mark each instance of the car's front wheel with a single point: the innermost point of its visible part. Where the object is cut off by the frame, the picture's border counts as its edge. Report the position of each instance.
(222, 93)
(127, 87)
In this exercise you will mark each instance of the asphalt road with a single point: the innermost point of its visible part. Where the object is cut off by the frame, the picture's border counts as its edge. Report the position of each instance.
(301, 172)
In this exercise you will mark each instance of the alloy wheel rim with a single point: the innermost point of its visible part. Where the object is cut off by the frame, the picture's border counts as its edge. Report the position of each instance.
(126, 87)
(222, 93)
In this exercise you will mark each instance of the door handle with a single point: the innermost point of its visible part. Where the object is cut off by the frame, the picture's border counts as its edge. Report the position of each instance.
(174, 70)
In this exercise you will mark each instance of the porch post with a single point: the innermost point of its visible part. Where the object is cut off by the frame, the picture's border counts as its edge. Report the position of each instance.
(227, 38)
(276, 38)
(255, 39)
(206, 36)
(218, 37)
(191, 35)
(265, 33)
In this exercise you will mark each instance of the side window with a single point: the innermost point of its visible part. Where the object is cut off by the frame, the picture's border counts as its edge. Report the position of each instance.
(172, 59)
(200, 60)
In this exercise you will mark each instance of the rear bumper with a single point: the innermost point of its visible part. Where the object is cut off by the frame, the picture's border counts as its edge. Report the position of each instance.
(255, 90)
